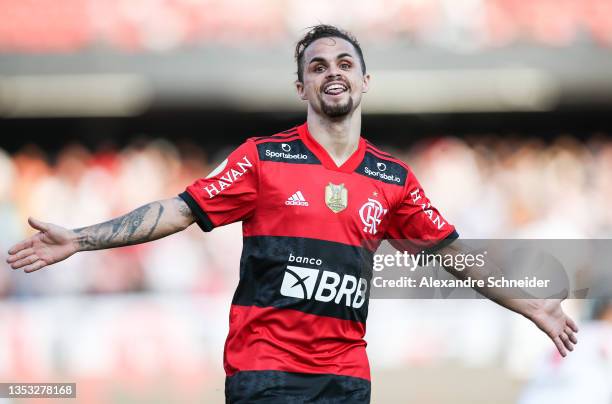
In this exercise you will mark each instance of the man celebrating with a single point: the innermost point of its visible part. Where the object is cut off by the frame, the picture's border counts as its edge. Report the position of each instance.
(315, 202)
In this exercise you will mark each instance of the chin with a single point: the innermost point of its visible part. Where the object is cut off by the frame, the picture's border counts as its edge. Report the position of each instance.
(337, 110)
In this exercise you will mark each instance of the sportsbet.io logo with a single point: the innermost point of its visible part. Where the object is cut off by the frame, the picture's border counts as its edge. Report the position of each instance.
(380, 174)
(286, 148)
(321, 285)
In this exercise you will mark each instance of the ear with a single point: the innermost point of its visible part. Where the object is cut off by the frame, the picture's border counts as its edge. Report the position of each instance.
(299, 86)
(366, 83)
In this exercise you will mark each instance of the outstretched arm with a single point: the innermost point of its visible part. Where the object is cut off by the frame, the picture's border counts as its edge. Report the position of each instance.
(547, 314)
(54, 243)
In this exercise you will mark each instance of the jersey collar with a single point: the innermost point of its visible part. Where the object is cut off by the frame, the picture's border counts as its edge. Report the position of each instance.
(349, 165)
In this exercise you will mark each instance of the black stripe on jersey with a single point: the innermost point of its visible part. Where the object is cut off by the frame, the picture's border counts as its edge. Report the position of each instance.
(376, 149)
(201, 217)
(277, 387)
(443, 243)
(380, 153)
(292, 151)
(425, 246)
(386, 157)
(383, 156)
(266, 280)
(383, 170)
(285, 139)
(280, 135)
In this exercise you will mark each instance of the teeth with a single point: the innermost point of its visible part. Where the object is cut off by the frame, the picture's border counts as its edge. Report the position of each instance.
(335, 87)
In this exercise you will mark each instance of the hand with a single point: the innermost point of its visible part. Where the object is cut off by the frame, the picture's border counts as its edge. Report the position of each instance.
(550, 318)
(50, 245)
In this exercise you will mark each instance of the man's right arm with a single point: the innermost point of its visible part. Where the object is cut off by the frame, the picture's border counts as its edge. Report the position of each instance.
(54, 243)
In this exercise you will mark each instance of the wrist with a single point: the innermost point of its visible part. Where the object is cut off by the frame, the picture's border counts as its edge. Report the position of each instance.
(530, 307)
(77, 240)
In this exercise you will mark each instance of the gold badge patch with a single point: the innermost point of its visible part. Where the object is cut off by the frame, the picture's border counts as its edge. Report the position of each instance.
(336, 197)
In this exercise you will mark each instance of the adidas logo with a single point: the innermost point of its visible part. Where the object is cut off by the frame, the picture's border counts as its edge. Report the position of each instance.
(296, 199)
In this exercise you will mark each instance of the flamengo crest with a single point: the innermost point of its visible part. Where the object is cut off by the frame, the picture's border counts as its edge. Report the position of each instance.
(371, 214)
(336, 197)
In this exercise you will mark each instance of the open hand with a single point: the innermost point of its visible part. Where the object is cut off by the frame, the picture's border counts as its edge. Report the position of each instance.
(551, 319)
(50, 245)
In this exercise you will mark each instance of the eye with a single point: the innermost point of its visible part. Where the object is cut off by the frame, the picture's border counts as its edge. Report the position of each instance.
(345, 65)
(319, 68)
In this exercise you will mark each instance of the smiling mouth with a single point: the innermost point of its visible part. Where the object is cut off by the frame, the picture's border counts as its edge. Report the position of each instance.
(335, 88)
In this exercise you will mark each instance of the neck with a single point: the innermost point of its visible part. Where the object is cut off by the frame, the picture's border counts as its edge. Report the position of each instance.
(339, 137)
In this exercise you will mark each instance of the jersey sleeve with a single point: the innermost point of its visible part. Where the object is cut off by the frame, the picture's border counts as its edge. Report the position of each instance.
(416, 225)
(229, 193)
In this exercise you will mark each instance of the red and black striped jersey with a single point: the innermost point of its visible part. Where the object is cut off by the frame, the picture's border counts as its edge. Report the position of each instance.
(310, 230)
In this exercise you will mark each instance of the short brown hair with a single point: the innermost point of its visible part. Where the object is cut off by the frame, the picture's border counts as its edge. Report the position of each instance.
(324, 31)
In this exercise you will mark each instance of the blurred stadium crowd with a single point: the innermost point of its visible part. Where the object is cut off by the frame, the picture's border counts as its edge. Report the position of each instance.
(70, 25)
(490, 187)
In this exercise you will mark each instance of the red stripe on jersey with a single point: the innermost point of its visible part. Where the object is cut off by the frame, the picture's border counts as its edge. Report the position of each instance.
(379, 153)
(292, 341)
(278, 140)
(386, 156)
(317, 221)
(278, 136)
(371, 145)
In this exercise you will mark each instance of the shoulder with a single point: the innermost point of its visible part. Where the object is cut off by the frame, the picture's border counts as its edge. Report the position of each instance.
(383, 166)
(384, 156)
(283, 147)
(284, 136)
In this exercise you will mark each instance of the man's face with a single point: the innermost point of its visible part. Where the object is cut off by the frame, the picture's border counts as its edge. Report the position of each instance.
(332, 81)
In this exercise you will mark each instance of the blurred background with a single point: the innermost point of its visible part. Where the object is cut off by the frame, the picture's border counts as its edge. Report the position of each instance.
(501, 107)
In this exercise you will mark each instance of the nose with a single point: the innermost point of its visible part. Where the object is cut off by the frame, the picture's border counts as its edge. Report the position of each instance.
(333, 71)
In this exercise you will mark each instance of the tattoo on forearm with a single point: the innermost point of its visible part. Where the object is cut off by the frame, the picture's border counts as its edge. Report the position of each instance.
(159, 214)
(135, 227)
(184, 209)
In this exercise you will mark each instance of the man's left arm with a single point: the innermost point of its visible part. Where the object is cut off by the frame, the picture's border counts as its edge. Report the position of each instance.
(417, 225)
(547, 314)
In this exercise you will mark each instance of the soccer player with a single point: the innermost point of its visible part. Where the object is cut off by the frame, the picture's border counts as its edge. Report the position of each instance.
(315, 202)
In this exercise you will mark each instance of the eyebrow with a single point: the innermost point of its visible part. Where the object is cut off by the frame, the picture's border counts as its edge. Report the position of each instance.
(320, 59)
